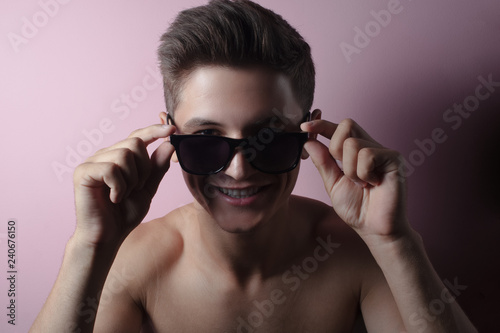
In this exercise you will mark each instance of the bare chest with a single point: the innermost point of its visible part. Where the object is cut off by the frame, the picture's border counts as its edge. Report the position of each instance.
(295, 301)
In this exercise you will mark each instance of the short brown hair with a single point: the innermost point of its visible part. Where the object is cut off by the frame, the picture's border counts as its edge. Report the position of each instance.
(235, 33)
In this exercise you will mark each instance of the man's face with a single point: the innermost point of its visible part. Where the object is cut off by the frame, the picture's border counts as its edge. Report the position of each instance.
(237, 103)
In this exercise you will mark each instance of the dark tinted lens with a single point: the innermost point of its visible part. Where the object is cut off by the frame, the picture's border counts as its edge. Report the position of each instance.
(280, 154)
(203, 154)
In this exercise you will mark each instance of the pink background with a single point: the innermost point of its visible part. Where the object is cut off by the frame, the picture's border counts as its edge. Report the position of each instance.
(69, 76)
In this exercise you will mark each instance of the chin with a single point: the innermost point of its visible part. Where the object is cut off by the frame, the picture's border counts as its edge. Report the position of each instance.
(237, 230)
(239, 224)
(248, 211)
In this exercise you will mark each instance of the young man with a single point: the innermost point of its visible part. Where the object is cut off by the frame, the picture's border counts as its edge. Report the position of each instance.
(246, 255)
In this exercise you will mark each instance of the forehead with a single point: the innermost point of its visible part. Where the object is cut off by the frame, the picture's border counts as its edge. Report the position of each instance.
(236, 96)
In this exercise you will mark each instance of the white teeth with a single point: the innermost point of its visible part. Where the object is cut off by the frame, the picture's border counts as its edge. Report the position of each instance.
(239, 194)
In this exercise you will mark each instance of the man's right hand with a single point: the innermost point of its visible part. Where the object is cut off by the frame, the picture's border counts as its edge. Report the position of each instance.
(114, 187)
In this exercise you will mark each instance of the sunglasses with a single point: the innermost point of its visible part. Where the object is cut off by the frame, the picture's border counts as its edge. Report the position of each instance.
(270, 151)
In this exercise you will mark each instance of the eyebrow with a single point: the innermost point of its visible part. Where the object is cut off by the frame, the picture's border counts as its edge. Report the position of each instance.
(266, 120)
(198, 122)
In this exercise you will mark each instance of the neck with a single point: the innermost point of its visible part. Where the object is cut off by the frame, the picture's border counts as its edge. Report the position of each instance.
(258, 253)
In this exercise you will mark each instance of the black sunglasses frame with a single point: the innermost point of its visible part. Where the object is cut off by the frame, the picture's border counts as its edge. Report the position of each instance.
(176, 140)
(233, 144)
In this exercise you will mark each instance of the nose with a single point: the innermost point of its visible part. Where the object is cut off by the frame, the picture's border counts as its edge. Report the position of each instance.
(238, 167)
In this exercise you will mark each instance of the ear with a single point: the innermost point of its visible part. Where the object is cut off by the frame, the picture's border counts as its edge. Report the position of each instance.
(163, 118)
(315, 115)
(304, 155)
(174, 157)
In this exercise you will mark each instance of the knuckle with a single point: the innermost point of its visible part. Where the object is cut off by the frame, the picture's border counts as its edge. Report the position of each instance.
(351, 128)
(350, 171)
(366, 163)
(367, 154)
(135, 142)
(102, 150)
(134, 133)
(348, 123)
(91, 158)
(335, 149)
(139, 133)
(351, 143)
(397, 158)
(96, 153)
(110, 168)
(363, 174)
(124, 155)
(79, 172)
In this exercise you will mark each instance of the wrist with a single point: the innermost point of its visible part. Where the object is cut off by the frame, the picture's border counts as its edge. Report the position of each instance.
(94, 236)
(399, 242)
(83, 249)
(399, 256)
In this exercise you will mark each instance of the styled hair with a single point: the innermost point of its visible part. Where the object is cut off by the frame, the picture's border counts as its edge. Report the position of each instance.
(237, 33)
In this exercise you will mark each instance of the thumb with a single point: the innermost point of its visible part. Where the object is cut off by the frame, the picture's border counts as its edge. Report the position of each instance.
(325, 163)
(160, 163)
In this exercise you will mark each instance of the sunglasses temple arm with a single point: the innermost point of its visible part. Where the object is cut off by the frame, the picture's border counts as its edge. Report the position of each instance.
(307, 117)
(170, 120)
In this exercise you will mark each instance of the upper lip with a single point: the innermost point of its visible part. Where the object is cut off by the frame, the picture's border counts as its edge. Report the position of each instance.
(240, 192)
(246, 187)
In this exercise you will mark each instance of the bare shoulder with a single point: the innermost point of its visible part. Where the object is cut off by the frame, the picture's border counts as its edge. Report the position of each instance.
(350, 250)
(326, 221)
(345, 270)
(156, 236)
(149, 251)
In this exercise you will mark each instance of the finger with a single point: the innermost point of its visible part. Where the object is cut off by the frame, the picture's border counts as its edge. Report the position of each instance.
(160, 163)
(350, 158)
(345, 129)
(324, 162)
(348, 128)
(374, 163)
(141, 159)
(324, 128)
(125, 160)
(137, 143)
(152, 133)
(315, 115)
(132, 156)
(97, 175)
(149, 135)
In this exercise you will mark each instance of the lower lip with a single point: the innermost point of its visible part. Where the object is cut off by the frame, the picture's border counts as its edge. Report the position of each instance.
(241, 201)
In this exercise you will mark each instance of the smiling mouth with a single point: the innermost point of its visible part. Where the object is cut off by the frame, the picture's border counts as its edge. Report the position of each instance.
(239, 193)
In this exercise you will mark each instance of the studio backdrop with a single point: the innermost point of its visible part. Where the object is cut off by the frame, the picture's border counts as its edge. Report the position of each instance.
(422, 77)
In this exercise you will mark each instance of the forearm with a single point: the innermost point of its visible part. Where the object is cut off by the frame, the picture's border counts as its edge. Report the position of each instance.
(80, 280)
(416, 287)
